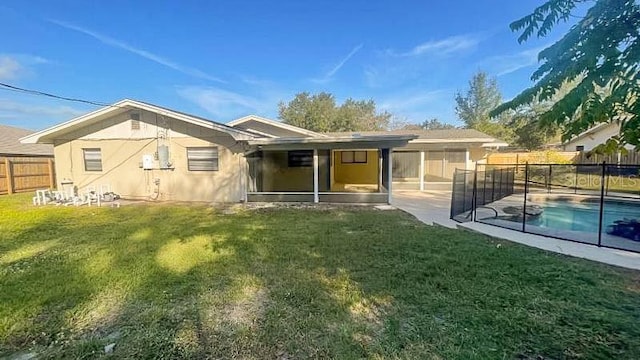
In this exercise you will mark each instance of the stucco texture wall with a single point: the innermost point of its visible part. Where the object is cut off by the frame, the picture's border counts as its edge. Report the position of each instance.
(122, 149)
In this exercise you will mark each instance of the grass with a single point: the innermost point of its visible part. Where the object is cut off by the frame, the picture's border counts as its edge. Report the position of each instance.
(191, 282)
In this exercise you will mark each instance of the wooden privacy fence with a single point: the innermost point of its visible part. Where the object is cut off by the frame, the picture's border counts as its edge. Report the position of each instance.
(21, 174)
(562, 157)
(534, 157)
(630, 158)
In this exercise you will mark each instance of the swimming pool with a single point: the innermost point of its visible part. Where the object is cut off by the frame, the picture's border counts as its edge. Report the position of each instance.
(583, 216)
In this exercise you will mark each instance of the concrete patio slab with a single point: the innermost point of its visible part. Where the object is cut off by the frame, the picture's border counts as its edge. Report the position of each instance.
(626, 259)
(430, 207)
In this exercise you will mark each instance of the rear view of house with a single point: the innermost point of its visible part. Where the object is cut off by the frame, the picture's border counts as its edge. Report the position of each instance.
(143, 151)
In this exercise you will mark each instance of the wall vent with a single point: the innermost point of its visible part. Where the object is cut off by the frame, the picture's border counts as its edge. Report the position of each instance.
(135, 121)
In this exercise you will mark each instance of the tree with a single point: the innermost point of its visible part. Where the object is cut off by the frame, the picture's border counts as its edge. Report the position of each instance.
(432, 124)
(603, 51)
(481, 97)
(319, 112)
(475, 106)
(529, 133)
(435, 124)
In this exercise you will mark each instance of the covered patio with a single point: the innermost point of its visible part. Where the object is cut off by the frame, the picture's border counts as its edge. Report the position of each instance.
(355, 169)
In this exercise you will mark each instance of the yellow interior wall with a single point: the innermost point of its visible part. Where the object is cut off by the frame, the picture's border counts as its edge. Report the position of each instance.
(366, 173)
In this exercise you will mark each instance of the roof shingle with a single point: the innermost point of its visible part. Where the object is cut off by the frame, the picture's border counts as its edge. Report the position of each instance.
(10, 143)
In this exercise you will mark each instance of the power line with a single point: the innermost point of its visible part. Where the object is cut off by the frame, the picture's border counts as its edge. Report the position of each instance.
(4, 86)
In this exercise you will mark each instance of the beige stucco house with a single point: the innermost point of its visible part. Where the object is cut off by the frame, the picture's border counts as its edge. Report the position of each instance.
(144, 151)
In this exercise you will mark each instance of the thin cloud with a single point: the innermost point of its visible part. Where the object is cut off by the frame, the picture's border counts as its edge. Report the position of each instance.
(140, 52)
(14, 66)
(444, 46)
(417, 105)
(509, 63)
(9, 68)
(329, 75)
(225, 105)
(10, 109)
(412, 101)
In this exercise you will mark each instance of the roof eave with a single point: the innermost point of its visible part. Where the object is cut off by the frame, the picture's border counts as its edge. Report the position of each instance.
(279, 124)
(37, 137)
(463, 140)
(365, 142)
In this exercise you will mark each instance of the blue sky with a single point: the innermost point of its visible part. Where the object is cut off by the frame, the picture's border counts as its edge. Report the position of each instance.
(225, 59)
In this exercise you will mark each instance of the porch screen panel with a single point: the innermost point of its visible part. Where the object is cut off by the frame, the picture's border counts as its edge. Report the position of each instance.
(255, 172)
(324, 170)
(454, 159)
(434, 166)
(406, 165)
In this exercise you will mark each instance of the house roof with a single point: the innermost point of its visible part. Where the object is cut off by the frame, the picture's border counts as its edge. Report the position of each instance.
(47, 136)
(10, 143)
(436, 136)
(592, 130)
(238, 123)
(343, 142)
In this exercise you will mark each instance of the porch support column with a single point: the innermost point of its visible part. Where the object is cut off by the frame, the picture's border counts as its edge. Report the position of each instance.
(316, 195)
(389, 175)
(380, 170)
(244, 177)
(421, 170)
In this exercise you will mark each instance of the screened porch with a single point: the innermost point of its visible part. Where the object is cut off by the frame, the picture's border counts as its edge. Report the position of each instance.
(333, 170)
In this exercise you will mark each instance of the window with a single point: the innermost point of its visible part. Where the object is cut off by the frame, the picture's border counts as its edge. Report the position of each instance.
(92, 159)
(300, 158)
(135, 121)
(353, 157)
(202, 158)
(580, 148)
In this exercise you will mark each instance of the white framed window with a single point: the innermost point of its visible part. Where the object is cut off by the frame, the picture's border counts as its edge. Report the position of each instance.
(202, 158)
(92, 159)
(353, 157)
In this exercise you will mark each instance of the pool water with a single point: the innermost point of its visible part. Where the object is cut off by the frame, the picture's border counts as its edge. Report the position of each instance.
(583, 216)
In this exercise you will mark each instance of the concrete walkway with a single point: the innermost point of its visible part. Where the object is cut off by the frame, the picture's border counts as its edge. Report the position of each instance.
(432, 207)
(428, 206)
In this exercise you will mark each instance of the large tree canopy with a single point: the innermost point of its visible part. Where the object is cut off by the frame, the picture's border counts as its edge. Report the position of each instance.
(602, 53)
(319, 112)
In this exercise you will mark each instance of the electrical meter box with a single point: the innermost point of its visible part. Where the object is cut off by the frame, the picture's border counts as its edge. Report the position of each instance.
(147, 162)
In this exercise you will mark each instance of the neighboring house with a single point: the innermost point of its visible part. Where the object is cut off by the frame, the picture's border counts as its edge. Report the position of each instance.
(10, 145)
(145, 151)
(593, 137)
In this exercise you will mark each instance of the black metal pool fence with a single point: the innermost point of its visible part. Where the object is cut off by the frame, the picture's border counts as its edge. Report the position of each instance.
(596, 204)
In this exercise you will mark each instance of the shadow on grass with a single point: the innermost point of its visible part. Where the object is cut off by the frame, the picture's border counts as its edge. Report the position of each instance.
(189, 282)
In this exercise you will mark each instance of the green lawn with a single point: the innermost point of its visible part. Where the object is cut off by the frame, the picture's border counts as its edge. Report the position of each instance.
(191, 282)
